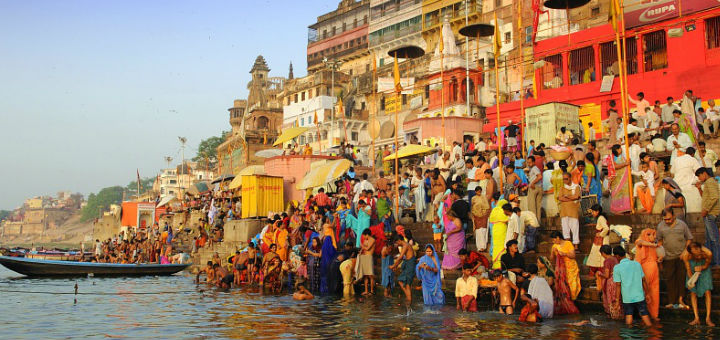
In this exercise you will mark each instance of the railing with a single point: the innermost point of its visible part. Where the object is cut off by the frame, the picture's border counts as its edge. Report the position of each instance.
(337, 54)
(395, 34)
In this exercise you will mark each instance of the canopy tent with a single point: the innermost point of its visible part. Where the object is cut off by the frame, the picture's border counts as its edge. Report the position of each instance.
(166, 200)
(411, 150)
(289, 133)
(223, 178)
(250, 170)
(267, 153)
(324, 174)
(198, 188)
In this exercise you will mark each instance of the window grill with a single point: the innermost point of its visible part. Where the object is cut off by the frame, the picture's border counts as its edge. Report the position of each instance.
(608, 57)
(712, 32)
(552, 72)
(655, 51)
(582, 65)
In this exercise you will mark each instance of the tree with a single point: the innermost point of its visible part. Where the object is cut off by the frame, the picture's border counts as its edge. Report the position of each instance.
(4, 214)
(207, 149)
(145, 185)
(100, 202)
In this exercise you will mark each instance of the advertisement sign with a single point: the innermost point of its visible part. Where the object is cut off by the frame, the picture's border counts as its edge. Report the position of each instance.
(643, 12)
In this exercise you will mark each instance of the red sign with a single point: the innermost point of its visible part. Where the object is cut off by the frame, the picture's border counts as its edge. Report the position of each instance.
(643, 12)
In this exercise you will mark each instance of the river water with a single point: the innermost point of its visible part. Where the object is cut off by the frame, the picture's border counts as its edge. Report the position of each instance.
(176, 308)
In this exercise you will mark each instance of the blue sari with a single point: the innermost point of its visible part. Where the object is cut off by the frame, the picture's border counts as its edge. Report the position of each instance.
(431, 282)
(519, 165)
(358, 225)
(328, 255)
(388, 277)
(595, 186)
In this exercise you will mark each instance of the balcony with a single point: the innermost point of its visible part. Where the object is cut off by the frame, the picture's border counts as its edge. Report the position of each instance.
(405, 31)
(314, 61)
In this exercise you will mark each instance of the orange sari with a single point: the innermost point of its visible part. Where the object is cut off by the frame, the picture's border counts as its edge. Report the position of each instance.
(647, 257)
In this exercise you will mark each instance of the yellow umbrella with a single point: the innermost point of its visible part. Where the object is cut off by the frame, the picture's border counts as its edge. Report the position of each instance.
(289, 133)
(411, 150)
(250, 170)
(324, 174)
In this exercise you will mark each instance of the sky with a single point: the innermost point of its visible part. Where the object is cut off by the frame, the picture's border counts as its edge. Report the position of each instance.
(93, 91)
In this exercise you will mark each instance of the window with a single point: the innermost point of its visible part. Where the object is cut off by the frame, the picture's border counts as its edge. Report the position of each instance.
(302, 96)
(381, 62)
(382, 104)
(296, 97)
(595, 11)
(498, 3)
(427, 91)
(582, 65)
(608, 57)
(172, 181)
(262, 123)
(362, 106)
(712, 32)
(344, 27)
(354, 136)
(333, 30)
(324, 34)
(654, 51)
(365, 20)
(354, 22)
(528, 34)
(367, 67)
(552, 72)
(453, 89)
(404, 99)
(508, 37)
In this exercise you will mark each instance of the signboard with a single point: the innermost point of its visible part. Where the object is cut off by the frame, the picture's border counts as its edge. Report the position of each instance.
(416, 102)
(391, 102)
(387, 85)
(644, 12)
(607, 83)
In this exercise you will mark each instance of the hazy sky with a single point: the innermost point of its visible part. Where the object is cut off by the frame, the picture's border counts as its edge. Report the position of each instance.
(91, 90)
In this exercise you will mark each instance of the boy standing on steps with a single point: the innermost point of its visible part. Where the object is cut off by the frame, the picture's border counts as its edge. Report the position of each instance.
(629, 278)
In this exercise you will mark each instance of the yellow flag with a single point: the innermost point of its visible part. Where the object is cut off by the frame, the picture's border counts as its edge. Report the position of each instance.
(498, 41)
(519, 14)
(341, 108)
(534, 85)
(441, 43)
(316, 120)
(264, 137)
(396, 74)
(614, 10)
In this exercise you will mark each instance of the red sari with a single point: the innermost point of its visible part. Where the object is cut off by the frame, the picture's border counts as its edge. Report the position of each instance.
(563, 300)
(609, 291)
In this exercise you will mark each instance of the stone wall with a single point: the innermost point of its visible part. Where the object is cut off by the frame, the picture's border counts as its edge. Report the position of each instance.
(106, 227)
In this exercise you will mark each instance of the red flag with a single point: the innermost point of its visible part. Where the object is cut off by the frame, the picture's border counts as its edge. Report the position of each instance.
(138, 178)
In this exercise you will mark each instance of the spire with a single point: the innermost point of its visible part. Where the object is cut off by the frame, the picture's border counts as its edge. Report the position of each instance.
(259, 65)
(290, 74)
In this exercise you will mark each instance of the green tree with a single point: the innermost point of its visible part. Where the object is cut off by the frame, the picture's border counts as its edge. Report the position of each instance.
(207, 149)
(145, 185)
(4, 214)
(100, 202)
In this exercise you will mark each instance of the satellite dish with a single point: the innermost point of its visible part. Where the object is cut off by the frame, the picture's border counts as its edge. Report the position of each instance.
(387, 130)
(374, 128)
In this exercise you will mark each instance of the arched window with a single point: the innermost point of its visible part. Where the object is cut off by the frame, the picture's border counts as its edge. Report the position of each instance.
(262, 122)
(453, 89)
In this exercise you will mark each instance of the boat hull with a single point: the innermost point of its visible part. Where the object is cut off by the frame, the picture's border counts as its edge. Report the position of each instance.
(38, 267)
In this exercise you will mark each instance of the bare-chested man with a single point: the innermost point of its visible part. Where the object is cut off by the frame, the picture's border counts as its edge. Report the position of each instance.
(209, 273)
(505, 288)
(302, 294)
(406, 262)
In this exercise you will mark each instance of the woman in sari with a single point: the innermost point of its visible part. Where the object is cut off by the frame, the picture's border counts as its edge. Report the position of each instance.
(567, 275)
(281, 241)
(618, 173)
(455, 240)
(327, 255)
(607, 285)
(646, 255)
(674, 197)
(556, 179)
(591, 177)
(388, 277)
(360, 223)
(314, 254)
(595, 259)
(498, 232)
(545, 270)
(428, 271)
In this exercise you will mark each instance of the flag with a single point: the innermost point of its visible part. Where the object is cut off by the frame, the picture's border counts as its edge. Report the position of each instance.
(497, 41)
(614, 10)
(519, 14)
(534, 84)
(264, 137)
(297, 122)
(396, 75)
(341, 108)
(441, 43)
(138, 177)
(315, 121)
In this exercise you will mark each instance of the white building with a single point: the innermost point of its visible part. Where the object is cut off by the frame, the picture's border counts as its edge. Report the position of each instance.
(302, 112)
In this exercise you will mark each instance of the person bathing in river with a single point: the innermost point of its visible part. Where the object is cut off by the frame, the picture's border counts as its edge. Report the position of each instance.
(209, 273)
(505, 289)
(302, 294)
(406, 263)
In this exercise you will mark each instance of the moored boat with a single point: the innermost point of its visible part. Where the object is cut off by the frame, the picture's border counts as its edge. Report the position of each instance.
(39, 267)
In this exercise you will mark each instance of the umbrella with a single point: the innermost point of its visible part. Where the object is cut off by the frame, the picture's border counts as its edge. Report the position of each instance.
(324, 174)
(267, 153)
(250, 170)
(411, 150)
(289, 134)
(167, 199)
(197, 188)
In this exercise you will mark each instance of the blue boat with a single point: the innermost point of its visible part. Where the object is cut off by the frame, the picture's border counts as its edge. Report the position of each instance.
(38, 267)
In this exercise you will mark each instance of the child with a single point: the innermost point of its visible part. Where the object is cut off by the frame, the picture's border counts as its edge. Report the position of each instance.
(505, 288)
(531, 147)
(591, 132)
(437, 233)
(645, 190)
(302, 294)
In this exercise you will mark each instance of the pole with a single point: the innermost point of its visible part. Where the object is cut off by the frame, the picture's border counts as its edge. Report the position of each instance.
(497, 118)
(622, 63)
(397, 149)
(442, 94)
(332, 89)
(373, 112)
(467, 65)
(522, 80)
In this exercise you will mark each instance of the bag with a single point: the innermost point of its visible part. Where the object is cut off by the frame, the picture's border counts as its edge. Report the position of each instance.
(614, 237)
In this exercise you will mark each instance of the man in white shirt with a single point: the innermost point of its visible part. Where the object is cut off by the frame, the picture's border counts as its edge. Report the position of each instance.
(530, 223)
(472, 178)
(641, 103)
(514, 231)
(709, 156)
(635, 151)
(481, 146)
(443, 163)
(683, 167)
(466, 289)
(667, 111)
(456, 150)
(677, 141)
(591, 132)
(632, 128)
(535, 190)
(713, 114)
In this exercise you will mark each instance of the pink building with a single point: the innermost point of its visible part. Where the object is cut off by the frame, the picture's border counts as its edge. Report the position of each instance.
(292, 168)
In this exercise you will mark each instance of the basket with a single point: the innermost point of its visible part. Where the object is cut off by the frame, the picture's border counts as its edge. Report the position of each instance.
(559, 155)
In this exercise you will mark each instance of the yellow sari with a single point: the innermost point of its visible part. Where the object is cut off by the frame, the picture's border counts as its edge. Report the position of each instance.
(499, 231)
(571, 268)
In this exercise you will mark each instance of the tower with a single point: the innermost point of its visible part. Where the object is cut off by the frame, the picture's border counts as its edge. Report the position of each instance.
(237, 112)
(258, 84)
(290, 74)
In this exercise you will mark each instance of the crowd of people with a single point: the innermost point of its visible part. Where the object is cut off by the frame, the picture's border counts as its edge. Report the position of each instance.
(469, 194)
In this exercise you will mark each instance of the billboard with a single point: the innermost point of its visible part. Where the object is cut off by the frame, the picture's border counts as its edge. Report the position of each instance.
(644, 12)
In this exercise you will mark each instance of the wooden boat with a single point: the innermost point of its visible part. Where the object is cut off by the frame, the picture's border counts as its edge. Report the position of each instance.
(38, 267)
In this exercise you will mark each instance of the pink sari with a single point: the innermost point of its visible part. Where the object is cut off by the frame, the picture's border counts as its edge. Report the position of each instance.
(619, 190)
(609, 291)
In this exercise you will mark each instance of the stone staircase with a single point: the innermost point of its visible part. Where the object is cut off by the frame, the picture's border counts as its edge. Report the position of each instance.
(589, 297)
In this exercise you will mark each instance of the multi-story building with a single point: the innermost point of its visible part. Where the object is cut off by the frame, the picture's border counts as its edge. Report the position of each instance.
(340, 35)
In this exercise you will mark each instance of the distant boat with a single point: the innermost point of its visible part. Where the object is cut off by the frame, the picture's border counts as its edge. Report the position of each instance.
(38, 267)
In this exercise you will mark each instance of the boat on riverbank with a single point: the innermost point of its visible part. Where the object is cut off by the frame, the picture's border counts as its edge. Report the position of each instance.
(40, 267)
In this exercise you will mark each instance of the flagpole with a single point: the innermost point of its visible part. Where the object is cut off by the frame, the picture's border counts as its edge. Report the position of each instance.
(397, 146)
(522, 80)
(496, 45)
(618, 12)
(373, 112)
(442, 91)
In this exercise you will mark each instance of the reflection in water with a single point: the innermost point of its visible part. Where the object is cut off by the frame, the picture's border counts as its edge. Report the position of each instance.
(174, 307)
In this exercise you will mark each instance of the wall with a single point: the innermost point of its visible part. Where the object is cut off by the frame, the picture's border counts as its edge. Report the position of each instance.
(241, 231)
(106, 227)
(455, 127)
(292, 169)
(306, 110)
